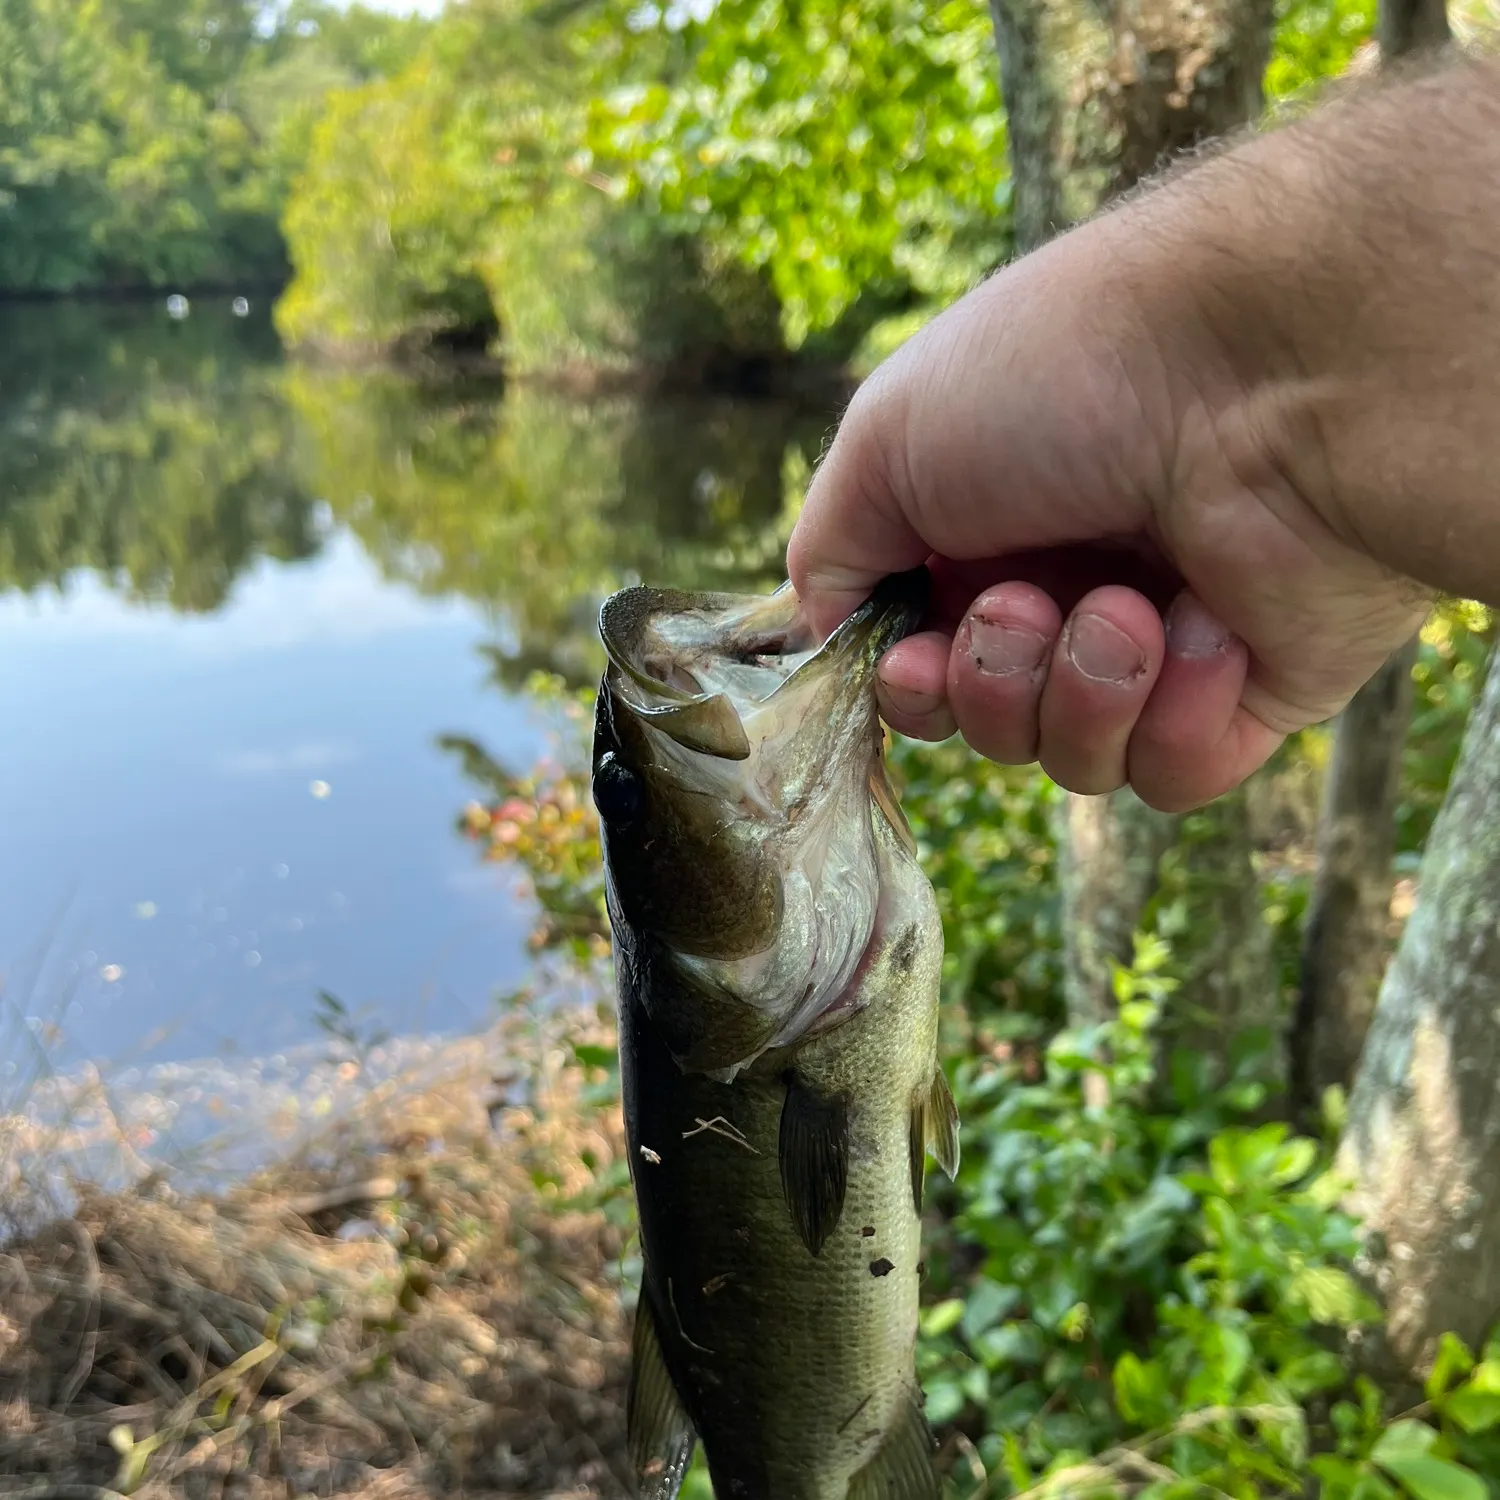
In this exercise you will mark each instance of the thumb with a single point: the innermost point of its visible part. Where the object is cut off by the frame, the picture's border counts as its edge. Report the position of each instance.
(853, 530)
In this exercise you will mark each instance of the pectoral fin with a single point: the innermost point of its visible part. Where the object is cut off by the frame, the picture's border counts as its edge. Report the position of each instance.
(814, 1151)
(902, 1468)
(942, 1125)
(884, 796)
(659, 1434)
(934, 1128)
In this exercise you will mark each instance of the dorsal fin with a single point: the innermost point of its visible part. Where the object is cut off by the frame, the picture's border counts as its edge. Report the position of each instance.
(902, 1468)
(814, 1152)
(658, 1431)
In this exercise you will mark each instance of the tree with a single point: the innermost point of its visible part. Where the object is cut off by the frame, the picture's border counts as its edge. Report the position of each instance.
(1345, 946)
(855, 153)
(1345, 943)
(1096, 96)
(148, 143)
(1424, 1114)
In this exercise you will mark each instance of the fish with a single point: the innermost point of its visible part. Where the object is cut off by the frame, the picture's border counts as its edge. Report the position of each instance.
(778, 953)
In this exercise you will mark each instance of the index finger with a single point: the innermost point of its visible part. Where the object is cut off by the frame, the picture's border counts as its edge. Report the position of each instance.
(853, 530)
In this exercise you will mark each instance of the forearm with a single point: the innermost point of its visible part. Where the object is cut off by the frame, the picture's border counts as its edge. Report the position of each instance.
(1347, 272)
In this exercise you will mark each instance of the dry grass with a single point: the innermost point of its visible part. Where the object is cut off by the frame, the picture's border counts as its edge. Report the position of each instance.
(423, 1307)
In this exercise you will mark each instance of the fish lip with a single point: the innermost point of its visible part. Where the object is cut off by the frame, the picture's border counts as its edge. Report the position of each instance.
(893, 611)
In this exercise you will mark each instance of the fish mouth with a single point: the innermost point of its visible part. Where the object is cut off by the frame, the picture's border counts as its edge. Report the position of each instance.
(697, 665)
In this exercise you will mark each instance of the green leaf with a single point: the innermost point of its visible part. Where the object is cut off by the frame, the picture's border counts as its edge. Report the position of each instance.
(591, 1055)
(1017, 1470)
(1330, 1296)
(987, 1302)
(939, 1318)
(1427, 1478)
(1293, 1161)
(945, 1400)
(1222, 1164)
(1306, 1374)
(1452, 1362)
(1403, 1439)
(1474, 1411)
(1142, 1391)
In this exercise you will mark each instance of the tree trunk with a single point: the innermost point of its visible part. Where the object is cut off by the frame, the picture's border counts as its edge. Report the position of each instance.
(1109, 852)
(1423, 1136)
(1344, 947)
(1097, 93)
(1345, 944)
(1228, 1011)
(1407, 26)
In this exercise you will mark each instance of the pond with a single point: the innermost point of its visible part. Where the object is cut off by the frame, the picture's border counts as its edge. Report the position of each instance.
(245, 605)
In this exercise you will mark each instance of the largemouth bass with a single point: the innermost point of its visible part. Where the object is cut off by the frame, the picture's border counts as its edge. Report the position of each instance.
(777, 952)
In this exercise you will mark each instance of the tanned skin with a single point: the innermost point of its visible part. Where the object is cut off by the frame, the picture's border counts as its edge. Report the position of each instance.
(1188, 474)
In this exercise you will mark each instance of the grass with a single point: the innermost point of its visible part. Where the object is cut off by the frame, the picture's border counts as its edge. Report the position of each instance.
(409, 1306)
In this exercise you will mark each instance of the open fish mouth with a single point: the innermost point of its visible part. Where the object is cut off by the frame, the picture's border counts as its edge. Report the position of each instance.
(739, 778)
(698, 665)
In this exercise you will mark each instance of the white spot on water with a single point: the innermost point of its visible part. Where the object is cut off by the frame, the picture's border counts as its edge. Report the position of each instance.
(241, 307)
(111, 972)
(145, 910)
(319, 789)
(178, 306)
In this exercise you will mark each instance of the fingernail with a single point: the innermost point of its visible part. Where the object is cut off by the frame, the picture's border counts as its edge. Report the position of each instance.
(1003, 650)
(1101, 650)
(1192, 631)
(911, 701)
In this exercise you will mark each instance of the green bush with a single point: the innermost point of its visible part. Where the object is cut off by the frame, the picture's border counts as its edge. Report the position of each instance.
(581, 278)
(384, 226)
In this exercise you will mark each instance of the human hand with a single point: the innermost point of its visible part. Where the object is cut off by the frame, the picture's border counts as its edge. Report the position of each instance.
(1137, 576)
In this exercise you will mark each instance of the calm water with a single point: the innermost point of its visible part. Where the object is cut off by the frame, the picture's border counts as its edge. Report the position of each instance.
(241, 603)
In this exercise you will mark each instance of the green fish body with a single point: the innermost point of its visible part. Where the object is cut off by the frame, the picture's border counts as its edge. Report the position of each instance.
(777, 951)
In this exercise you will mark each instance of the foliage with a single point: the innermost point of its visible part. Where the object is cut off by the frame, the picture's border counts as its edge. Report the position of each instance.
(854, 152)
(985, 836)
(383, 225)
(546, 824)
(138, 145)
(1456, 643)
(1314, 40)
(1111, 1270)
(452, 197)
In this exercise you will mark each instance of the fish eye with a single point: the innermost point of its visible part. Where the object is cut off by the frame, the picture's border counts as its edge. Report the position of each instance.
(618, 793)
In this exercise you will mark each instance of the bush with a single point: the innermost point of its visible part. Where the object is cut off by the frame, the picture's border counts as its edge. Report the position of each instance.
(383, 225)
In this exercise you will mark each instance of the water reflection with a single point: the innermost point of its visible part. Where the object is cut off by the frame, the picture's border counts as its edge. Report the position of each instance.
(540, 504)
(159, 453)
(224, 580)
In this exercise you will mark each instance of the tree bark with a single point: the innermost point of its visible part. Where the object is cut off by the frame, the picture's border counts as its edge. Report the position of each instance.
(1228, 1010)
(1097, 93)
(1345, 944)
(1422, 1141)
(1406, 26)
(1109, 853)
